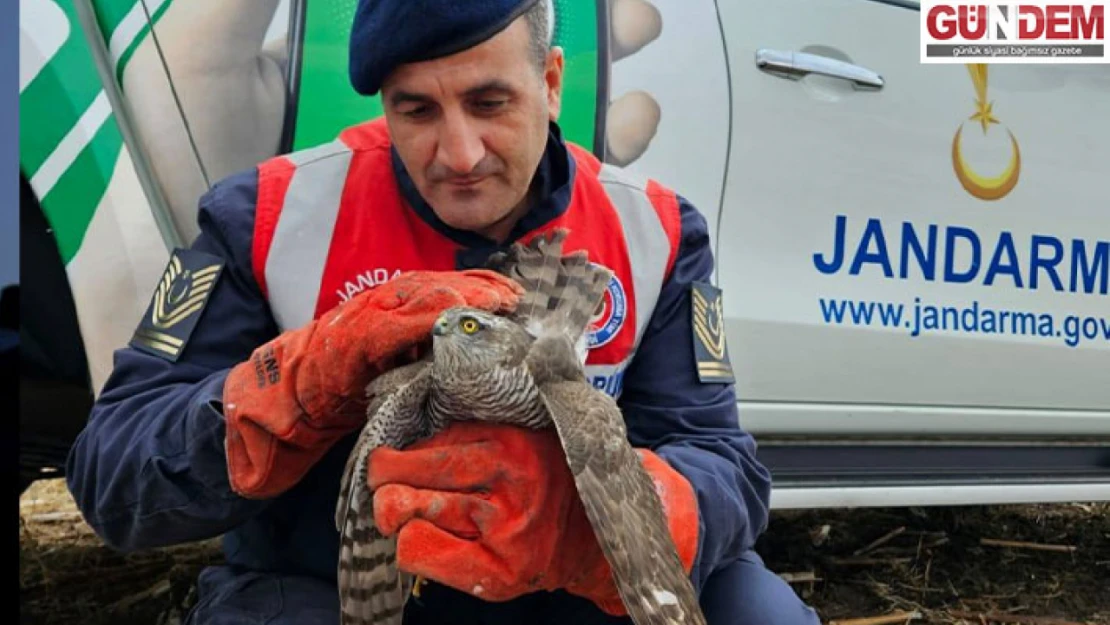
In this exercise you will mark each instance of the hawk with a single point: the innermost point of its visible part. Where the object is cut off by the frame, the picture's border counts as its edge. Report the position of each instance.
(524, 369)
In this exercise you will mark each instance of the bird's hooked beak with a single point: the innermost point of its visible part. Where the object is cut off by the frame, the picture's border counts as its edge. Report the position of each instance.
(440, 327)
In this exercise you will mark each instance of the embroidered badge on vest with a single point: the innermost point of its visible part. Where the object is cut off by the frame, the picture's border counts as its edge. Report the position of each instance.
(607, 322)
(708, 324)
(177, 303)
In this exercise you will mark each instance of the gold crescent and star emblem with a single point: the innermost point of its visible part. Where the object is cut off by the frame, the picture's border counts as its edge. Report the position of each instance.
(983, 187)
(181, 293)
(179, 297)
(707, 323)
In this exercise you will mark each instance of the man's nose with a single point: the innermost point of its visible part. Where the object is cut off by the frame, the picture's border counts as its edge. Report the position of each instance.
(460, 145)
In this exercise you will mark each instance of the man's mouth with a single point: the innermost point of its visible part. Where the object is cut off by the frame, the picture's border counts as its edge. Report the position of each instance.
(465, 182)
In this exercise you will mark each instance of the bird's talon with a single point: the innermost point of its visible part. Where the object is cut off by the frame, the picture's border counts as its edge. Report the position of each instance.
(420, 581)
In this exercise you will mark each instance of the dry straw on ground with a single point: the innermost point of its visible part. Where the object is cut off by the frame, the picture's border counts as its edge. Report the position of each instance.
(1019, 565)
(1025, 565)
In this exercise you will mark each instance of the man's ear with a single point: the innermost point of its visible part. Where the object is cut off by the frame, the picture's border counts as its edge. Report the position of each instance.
(553, 78)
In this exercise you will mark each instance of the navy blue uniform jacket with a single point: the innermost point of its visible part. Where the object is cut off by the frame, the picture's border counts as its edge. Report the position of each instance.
(150, 469)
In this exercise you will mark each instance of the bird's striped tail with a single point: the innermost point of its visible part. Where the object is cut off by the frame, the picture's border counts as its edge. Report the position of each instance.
(371, 591)
(562, 291)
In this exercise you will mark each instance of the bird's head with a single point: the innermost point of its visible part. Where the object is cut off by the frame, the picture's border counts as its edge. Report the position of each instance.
(475, 338)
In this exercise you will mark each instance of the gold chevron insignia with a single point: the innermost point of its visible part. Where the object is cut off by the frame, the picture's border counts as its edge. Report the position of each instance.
(708, 326)
(177, 303)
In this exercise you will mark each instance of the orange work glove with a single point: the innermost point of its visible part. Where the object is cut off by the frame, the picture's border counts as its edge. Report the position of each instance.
(492, 510)
(305, 389)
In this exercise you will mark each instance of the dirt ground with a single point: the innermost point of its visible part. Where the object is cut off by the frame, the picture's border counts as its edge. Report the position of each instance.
(914, 566)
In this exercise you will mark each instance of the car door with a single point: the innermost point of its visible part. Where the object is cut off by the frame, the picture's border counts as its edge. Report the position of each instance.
(909, 248)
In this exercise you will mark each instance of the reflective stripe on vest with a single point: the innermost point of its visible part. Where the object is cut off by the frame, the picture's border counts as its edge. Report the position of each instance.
(298, 252)
(649, 248)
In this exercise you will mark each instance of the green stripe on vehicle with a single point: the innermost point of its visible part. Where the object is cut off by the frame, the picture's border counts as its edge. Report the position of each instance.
(577, 32)
(129, 51)
(57, 97)
(109, 14)
(70, 205)
(326, 103)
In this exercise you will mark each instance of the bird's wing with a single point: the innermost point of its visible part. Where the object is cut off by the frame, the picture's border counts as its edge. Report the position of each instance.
(380, 389)
(372, 590)
(621, 502)
(562, 292)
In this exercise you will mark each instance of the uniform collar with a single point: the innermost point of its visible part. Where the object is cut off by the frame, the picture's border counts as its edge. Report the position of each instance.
(553, 180)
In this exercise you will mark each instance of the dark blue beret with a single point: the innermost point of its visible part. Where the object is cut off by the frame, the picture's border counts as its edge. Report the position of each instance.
(388, 33)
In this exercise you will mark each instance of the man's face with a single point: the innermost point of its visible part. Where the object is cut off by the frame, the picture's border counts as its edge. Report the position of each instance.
(471, 128)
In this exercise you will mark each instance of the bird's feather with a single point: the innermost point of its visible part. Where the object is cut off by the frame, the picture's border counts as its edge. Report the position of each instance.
(622, 505)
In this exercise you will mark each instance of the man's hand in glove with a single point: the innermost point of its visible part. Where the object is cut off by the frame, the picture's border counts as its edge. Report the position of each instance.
(302, 391)
(492, 510)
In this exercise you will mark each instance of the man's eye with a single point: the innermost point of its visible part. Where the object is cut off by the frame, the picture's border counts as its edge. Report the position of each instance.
(416, 111)
(490, 105)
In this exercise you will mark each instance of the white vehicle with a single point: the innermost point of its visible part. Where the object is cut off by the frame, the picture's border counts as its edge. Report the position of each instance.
(914, 258)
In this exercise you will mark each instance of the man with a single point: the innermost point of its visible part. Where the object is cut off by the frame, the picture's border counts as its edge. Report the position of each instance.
(233, 409)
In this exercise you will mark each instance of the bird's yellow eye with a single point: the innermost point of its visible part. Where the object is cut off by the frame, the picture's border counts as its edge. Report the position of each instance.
(468, 325)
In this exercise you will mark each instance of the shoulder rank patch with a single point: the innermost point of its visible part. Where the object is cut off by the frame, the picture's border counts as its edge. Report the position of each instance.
(177, 303)
(708, 323)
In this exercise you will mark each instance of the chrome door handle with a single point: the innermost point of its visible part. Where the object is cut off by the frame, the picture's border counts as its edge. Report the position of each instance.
(795, 65)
